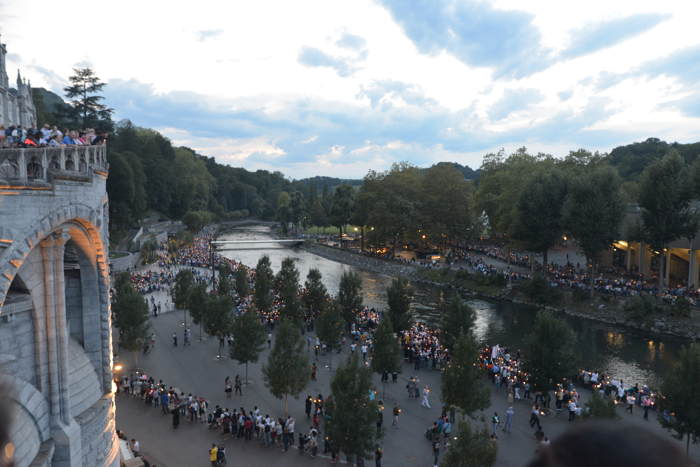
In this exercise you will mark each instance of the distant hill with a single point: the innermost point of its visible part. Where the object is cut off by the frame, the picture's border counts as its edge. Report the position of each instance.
(630, 160)
(51, 101)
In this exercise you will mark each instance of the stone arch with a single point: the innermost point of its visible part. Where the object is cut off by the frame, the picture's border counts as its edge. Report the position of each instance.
(79, 222)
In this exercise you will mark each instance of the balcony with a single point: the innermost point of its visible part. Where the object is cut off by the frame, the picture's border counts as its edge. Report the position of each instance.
(40, 166)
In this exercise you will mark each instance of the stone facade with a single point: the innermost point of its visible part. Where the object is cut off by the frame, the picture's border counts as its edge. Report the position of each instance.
(55, 322)
(16, 105)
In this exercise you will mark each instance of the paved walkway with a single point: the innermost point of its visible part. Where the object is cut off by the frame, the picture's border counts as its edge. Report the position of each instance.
(195, 369)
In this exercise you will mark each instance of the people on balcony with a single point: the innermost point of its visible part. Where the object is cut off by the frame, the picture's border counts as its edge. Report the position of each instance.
(18, 137)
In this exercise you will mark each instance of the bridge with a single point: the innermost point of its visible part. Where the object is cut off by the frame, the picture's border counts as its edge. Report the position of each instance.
(232, 244)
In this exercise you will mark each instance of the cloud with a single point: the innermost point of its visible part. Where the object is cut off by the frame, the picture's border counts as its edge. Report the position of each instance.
(475, 33)
(313, 57)
(683, 64)
(597, 36)
(565, 95)
(205, 34)
(391, 92)
(514, 100)
(351, 41)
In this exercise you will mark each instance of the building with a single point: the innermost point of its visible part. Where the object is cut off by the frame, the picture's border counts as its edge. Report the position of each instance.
(55, 321)
(16, 104)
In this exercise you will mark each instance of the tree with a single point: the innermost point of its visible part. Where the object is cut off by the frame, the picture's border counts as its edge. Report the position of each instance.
(287, 370)
(263, 285)
(225, 287)
(198, 304)
(593, 211)
(84, 91)
(184, 282)
(386, 353)
(470, 448)
(351, 415)
(350, 295)
(341, 209)
(241, 277)
(538, 220)
(462, 385)
(196, 220)
(681, 397)
(329, 327)
(248, 339)
(288, 288)
(550, 352)
(218, 320)
(130, 314)
(399, 297)
(316, 294)
(457, 318)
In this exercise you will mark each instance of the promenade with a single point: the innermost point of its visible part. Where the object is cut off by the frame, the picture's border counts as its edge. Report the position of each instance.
(195, 369)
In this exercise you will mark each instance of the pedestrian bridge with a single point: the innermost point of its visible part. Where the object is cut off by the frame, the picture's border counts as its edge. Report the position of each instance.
(256, 244)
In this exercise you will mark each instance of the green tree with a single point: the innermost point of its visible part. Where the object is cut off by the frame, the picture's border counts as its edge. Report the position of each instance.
(130, 315)
(263, 285)
(593, 211)
(316, 294)
(224, 287)
(84, 92)
(351, 415)
(350, 295)
(462, 384)
(341, 209)
(681, 396)
(399, 297)
(550, 352)
(218, 319)
(329, 327)
(470, 448)
(241, 277)
(184, 282)
(197, 220)
(287, 370)
(601, 407)
(198, 304)
(665, 193)
(538, 220)
(248, 339)
(288, 288)
(386, 353)
(456, 319)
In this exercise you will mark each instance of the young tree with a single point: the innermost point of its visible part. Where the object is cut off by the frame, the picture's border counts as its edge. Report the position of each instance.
(287, 370)
(242, 287)
(351, 415)
(457, 318)
(341, 209)
(248, 339)
(386, 355)
(350, 295)
(329, 327)
(665, 193)
(84, 91)
(470, 448)
(288, 288)
(263, 284)
(399, 297)
(550, 352)
(681, 397)
(218, 320)
(198, 304)
(130, 315)
(593, 211)
(184, 282)
(225, 287)
(462, 384)
(316, 294)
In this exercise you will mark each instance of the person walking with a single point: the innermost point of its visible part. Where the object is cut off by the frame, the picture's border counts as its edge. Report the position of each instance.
(174, 340)
(396, 412)
(535, 417)
(214, 455)
(238, 386)
(436, 452)
(572, 410)
(378, 453)
(426, 393)
(313, 371)
(509, 419)
(495, 422)
(227, 387)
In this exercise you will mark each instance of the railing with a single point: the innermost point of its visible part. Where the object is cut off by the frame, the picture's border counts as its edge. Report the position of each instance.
(38, 165)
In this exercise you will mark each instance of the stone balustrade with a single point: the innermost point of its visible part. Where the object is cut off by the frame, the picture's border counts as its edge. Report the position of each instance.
(21, 166)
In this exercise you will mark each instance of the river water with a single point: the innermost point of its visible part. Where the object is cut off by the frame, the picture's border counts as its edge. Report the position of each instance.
(632, 355)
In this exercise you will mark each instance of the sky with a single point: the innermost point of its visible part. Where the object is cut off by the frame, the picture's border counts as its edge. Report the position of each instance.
(338, 88)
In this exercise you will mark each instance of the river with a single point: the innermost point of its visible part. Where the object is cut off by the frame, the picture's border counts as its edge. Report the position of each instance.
(634, 356)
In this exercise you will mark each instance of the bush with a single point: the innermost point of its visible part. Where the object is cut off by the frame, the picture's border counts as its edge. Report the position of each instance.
(600, 407)
(537, 290)
(580, 295)
(681, 308)
(641, 308)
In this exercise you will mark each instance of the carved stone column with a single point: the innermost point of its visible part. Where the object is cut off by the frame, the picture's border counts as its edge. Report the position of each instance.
(61, 323)
(47, 253)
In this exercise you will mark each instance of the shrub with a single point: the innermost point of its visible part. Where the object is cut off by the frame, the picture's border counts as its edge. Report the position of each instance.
(641, 308)
(681, 308)
(600, 407)
(537, 289)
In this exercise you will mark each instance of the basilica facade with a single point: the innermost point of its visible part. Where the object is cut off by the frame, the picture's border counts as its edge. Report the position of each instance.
(16, 105)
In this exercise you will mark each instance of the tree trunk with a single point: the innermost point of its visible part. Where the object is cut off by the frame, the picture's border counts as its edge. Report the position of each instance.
(662, 269)
(545, 261)
(687, 446)
(592, 273)
(362, 238)
(246, 373)
(286, 409)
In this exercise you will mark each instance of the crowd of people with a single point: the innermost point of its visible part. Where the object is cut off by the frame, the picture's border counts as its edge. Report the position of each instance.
(48, 136)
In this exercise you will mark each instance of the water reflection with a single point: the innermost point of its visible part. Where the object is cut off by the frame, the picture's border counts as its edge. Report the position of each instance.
(630, 355)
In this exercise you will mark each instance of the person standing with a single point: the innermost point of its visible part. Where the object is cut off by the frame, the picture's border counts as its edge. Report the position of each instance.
(238, 386)
(174, 340)
(436, 452)
(397, 412)
(313, 371)
(534, 417)
(425, 402)
(572, 410)
(227, 387)
(307, 406)
(495, 421)
(378, 457)
(509, 419)
(214, 455)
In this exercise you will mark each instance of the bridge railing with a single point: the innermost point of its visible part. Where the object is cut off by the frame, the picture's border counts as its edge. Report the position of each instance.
(37, 165)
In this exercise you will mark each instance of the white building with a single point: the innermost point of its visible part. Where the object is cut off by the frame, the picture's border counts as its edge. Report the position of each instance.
(16, 105)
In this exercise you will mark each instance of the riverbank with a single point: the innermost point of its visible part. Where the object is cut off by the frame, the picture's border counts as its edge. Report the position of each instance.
(609, 311)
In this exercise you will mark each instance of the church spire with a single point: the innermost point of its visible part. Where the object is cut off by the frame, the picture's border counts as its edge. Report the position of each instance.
(19, 80)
